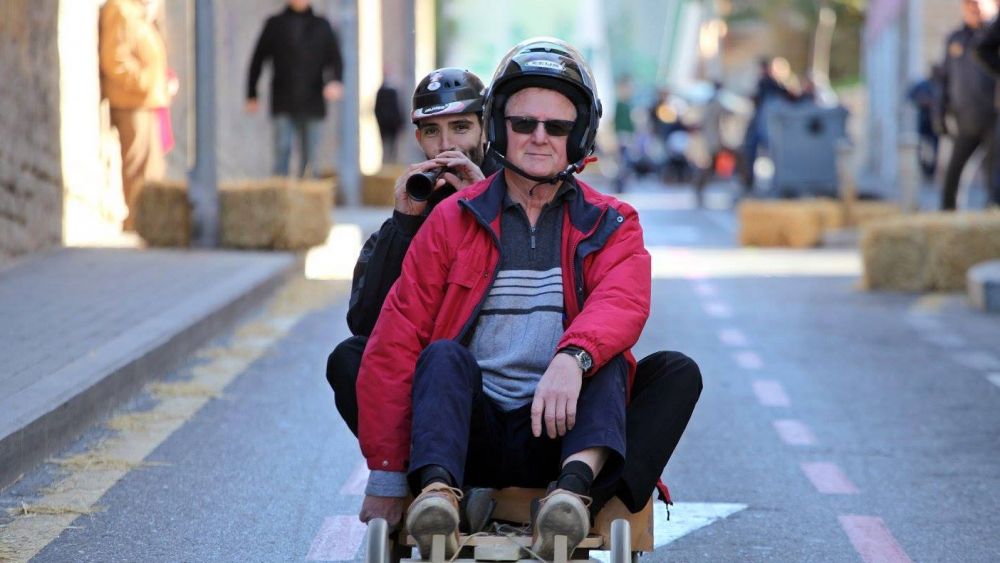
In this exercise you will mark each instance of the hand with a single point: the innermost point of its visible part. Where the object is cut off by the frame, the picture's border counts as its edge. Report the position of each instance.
(252, 105)
(390, 508)
(556, 396)
(406, 205)
(173, 85)
(463, 172)
(333, 91)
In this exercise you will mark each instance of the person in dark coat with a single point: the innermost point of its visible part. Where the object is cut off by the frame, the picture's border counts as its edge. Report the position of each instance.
(768, 90)
(389, 117)
(307, 69)
(925, 95)
(987, 50)
(966, 100)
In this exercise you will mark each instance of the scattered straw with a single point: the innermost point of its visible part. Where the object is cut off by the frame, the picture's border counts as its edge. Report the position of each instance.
(51, 510)
(91, 461)
(138, 421)
(7, 552)
(182, 389)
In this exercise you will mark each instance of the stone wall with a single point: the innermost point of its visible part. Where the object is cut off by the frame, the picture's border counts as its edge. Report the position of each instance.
(30, 160)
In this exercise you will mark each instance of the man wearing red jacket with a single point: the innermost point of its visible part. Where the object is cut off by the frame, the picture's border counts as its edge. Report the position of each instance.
(502, 355)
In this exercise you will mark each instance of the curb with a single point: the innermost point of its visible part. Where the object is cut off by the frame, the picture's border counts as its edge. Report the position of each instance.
(120, 369)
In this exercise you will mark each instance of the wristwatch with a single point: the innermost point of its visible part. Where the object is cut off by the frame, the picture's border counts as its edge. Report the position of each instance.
(582, 357)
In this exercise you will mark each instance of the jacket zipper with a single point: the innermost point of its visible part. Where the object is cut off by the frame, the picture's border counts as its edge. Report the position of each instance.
(463, 334)
(575, 270)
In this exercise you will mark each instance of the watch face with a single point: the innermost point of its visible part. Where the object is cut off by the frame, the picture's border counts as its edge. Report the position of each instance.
(586, 362)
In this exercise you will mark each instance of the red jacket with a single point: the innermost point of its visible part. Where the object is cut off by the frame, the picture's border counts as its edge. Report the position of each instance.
(447, 274)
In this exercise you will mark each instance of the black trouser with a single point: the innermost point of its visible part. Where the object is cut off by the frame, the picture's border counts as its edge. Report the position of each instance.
(665, 390)
(962, 149)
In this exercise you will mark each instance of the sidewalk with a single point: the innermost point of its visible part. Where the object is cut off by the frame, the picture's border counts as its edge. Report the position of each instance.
(83, 329)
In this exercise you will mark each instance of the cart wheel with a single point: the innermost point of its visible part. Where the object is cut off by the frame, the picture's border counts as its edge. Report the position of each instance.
(378, 541)
(621, 541)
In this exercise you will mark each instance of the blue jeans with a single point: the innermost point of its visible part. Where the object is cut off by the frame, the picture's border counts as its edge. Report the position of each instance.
(308, 130)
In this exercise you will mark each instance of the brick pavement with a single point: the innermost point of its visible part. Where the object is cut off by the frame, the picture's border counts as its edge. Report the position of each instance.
(80, 329)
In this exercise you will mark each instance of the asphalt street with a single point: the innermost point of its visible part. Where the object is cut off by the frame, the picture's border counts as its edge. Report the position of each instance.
(835, 424)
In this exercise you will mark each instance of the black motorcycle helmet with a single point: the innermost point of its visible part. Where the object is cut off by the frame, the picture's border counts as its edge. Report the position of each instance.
(545, 62)
(448, 91)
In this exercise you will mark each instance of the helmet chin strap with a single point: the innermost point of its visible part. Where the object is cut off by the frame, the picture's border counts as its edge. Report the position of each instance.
(553, 179)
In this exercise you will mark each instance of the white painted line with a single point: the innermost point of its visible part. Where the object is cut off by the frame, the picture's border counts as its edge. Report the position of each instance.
(733, 337)
(828, 478)
(872, 539)
(704, 289)
(355, 484)
(685, 517)
(994, 378)
(924, 322)
(747, 359)
(717, 310)
(338, 539)
(770, 393)
(978, 360)
(943, 339)
(794, 433)
(695, 275)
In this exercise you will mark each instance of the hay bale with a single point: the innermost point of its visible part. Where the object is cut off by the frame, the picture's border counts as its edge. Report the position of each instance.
(275, 213)
(163, 213)
(927, 252)
(794, 223)
(379, 189)
(863, 212)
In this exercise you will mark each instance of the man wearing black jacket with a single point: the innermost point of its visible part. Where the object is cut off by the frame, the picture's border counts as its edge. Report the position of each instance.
(966, 100)
(667, 384)
(307, 68)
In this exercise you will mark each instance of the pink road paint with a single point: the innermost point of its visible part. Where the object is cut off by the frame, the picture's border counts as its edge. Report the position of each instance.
(732, 337)
(704, 289)
(355, 484)
(338, 539)
(872, 539)
(749, 360)
(828, 478)
(794, 433)
(717, 310)
(770, 393)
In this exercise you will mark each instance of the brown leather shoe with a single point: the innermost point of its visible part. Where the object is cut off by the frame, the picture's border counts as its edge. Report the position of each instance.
(435, 512)
(560, 513)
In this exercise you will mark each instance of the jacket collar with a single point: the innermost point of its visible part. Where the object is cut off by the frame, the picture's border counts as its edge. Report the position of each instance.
(584, 214)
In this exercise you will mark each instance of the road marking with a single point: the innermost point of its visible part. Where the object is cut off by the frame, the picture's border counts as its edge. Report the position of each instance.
(828, 478)
(733, 337)
(943, 339)
(931, 303)
(794, 433)
(717, 310)
(770, 393)
(355, 484)
(685, 517)
(978, 360)
(175, 403)
(872, 539)
(749, 360)
(994, 378)
(704, 289)
(338, 539)
(924, 322)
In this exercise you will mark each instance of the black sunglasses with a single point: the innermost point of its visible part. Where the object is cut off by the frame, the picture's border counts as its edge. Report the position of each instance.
(527, 125)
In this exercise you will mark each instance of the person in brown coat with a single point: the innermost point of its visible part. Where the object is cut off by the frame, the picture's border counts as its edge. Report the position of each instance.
(133, 64)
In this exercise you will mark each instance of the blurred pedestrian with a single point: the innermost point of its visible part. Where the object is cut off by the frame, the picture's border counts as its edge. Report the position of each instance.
(769, 90)
(624, 129)
(389, 117)
(307, 70)
(925, 95)
(967, 92)
(711, 133)
(987, 49)
(133, 68)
